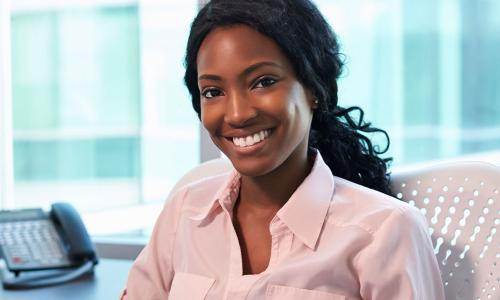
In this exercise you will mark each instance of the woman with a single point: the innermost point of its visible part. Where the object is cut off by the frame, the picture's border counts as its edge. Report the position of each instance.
(299, 217)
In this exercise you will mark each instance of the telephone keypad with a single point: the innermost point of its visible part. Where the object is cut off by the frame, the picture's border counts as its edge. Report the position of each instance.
(31, 244)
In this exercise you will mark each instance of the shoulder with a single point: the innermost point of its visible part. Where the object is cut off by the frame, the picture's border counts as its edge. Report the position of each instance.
(202, 192)
(356, 205)
(392, 251)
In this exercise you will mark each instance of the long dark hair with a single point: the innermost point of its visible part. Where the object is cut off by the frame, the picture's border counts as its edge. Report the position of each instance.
(306, 38)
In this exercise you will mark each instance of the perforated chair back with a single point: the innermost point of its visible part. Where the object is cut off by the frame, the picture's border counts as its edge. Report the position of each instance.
(462, 206)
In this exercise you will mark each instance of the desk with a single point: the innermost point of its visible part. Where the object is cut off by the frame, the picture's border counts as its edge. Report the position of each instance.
(108, 281)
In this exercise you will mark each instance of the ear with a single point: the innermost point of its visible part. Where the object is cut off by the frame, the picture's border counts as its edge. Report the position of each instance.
(315, 103)
(312, 99)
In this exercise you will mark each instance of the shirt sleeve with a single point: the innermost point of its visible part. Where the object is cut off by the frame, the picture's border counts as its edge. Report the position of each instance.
(151, 274)
(399, 263)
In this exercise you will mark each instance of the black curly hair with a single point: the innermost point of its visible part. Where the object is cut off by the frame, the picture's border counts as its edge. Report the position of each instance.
(308, 41)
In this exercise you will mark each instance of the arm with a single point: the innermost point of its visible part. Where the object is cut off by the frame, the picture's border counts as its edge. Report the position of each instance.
(400, 263)
(151, 274)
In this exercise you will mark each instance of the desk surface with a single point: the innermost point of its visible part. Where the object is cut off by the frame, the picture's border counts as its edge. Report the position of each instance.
(108, 281)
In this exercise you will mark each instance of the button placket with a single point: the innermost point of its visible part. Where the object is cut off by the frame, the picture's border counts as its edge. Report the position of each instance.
(278, 230)
(235, 264)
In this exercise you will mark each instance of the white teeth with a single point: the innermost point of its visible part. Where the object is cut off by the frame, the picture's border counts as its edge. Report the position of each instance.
(251, 139)
(256, 138)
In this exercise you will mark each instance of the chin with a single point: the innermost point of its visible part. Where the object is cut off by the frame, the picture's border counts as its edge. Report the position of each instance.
(251, 167)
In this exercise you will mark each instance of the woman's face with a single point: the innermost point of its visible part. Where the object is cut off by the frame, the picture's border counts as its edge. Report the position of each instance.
(252, 104)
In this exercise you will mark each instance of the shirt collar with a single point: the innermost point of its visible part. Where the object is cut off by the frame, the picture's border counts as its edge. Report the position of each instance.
(304, 213)
(306, 210)
(225, 197)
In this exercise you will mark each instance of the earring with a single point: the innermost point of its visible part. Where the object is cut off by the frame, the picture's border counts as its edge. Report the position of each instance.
(315, 103)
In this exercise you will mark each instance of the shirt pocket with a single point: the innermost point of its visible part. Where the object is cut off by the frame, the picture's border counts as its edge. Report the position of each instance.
(275, 292)
(189, 286)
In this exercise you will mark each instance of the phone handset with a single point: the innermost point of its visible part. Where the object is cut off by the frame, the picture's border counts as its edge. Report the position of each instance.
(76, 239)
(77, 253)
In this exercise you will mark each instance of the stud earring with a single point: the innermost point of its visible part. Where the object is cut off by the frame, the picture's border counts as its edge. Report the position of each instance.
(315, 103)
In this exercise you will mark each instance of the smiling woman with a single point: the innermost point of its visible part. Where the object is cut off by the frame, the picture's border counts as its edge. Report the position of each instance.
(285, 223)
(255, 92)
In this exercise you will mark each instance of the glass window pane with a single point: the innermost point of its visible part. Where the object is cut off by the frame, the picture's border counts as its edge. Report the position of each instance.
(101, 117)
(423, 70)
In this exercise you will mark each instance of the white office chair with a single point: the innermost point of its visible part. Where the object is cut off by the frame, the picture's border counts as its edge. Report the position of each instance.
(461, 202)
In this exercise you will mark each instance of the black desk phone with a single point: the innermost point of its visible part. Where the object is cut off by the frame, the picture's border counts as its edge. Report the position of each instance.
(55, 244)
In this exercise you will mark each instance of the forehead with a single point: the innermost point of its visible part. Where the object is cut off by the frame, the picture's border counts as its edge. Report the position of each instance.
(236, 47)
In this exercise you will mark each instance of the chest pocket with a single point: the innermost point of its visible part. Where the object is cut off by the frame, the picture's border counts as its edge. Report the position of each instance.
(275, 292)
(189, 286)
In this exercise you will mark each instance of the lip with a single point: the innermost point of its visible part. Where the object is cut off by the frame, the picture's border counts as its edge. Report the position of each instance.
(243, 132)
(249, 149)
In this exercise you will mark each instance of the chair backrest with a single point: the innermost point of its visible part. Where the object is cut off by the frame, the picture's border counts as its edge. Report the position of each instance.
(461, 202)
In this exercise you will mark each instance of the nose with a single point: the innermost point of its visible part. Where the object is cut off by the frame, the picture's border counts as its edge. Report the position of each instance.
(239, 110)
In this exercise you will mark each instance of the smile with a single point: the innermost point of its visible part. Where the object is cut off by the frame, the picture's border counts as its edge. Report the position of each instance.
(252, 139)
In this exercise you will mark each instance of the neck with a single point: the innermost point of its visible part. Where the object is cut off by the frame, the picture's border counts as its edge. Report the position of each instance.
(272, 190)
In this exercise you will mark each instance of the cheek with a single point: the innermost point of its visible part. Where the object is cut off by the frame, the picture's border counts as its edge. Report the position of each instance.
(299, 96)
(277, 104)
(207, 118)
(212, 116)
(300, 103)
(288, 104)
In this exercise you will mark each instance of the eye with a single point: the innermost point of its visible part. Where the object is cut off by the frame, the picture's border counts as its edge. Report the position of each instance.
(264, 82)
(211, 93)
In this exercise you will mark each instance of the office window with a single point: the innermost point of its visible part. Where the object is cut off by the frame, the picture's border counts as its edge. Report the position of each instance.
(76, 95)
(100, 116)
(426, 71)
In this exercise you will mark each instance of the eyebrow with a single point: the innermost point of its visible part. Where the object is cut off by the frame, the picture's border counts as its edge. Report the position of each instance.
(245, 72)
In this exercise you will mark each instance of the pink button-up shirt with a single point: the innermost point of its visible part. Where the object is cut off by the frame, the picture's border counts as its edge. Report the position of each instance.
(333, 239)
